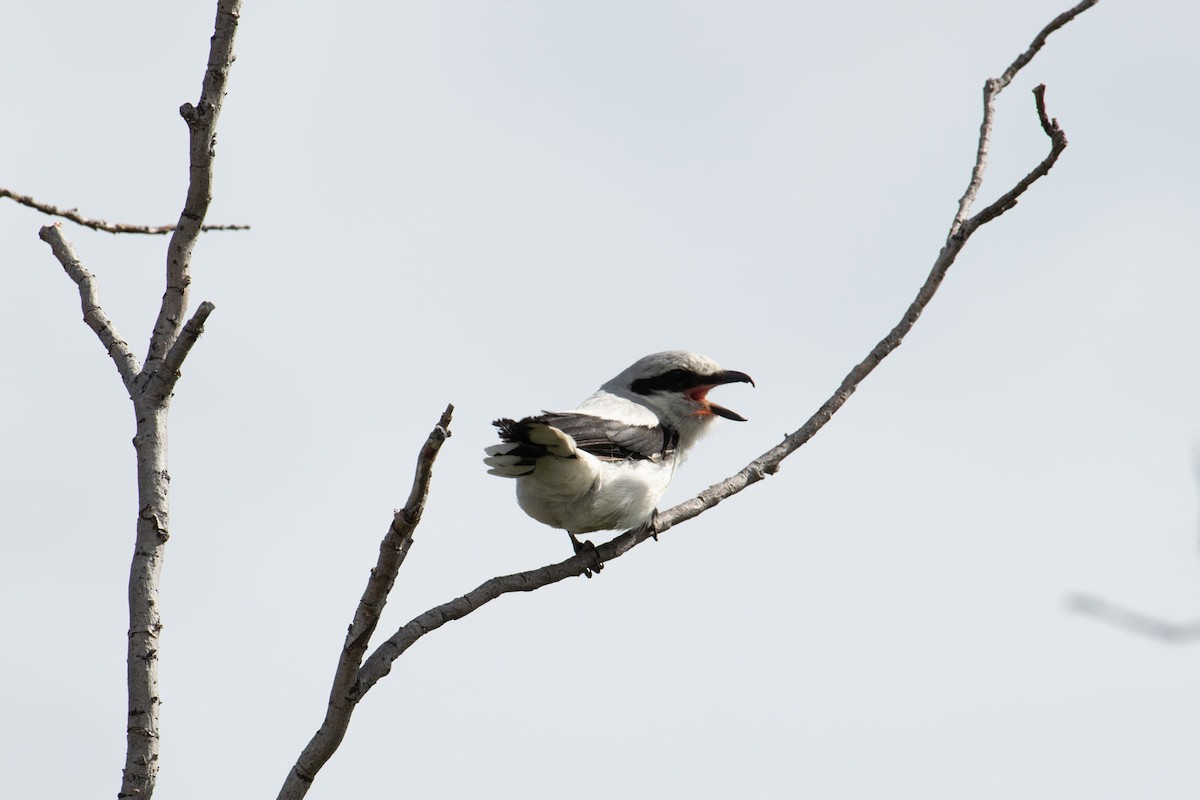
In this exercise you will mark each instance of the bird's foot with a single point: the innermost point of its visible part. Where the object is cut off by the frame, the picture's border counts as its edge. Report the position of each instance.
(587, 548)
(650, 526)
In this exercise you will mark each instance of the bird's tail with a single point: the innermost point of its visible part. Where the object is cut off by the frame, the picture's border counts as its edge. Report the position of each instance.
(523, 442)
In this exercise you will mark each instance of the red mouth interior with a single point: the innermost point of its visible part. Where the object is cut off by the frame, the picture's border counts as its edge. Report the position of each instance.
(699, 394)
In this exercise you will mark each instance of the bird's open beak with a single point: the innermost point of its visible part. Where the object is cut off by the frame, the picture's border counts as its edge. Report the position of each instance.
(728, 376)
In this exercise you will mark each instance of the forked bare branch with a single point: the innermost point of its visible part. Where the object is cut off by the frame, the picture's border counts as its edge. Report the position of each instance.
(149, 386)
(991, 90)
(170, 343)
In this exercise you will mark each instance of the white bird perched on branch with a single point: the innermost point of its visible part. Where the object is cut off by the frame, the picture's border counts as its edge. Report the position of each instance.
(605, 464)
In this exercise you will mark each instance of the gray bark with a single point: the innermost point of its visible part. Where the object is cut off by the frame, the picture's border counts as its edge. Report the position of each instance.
(145, 620)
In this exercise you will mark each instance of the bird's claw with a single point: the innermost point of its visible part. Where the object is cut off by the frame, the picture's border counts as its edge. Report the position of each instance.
(587, 548)
(650, 526)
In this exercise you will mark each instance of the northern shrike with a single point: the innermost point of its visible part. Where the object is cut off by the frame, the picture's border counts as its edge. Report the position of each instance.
(604, 464)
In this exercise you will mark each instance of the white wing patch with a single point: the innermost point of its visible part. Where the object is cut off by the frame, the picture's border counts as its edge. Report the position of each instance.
(525, 443)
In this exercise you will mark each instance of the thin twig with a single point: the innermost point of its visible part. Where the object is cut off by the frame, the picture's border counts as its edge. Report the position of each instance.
(1134, 621)
(96, 224)
(392, 552)
(1040, 40)
(118, 349)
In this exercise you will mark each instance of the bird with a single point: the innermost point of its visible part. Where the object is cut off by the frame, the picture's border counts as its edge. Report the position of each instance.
(604, 464)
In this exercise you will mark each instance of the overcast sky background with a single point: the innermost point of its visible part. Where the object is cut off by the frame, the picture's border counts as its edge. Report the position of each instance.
(501, 205)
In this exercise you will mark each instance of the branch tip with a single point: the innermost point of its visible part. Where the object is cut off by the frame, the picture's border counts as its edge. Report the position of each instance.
(1049, 125)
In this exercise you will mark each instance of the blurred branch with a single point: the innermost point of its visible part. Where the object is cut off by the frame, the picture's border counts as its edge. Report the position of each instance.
(1133, 621)
(1102, 610)
(379, 663)
(101, 225)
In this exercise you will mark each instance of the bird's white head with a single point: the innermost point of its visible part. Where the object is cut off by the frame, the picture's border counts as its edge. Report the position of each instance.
(675, 385)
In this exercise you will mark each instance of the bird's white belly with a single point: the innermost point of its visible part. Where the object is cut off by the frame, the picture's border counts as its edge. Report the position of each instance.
(621, 496)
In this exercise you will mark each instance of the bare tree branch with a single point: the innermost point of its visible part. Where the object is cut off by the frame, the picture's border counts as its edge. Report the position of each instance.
(93, 314)
(1058, 141)
(392, 552)
(1134, 621)
(201, 120)
(378, 664)
(73, 215)
(991, 89)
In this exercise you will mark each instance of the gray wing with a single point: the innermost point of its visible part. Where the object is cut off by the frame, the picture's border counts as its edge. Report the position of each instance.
(612, 440)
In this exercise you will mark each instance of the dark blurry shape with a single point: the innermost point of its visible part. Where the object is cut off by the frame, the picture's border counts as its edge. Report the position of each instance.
(1133, 621)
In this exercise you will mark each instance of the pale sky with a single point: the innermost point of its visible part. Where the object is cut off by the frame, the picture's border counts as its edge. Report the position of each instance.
(502, 206)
